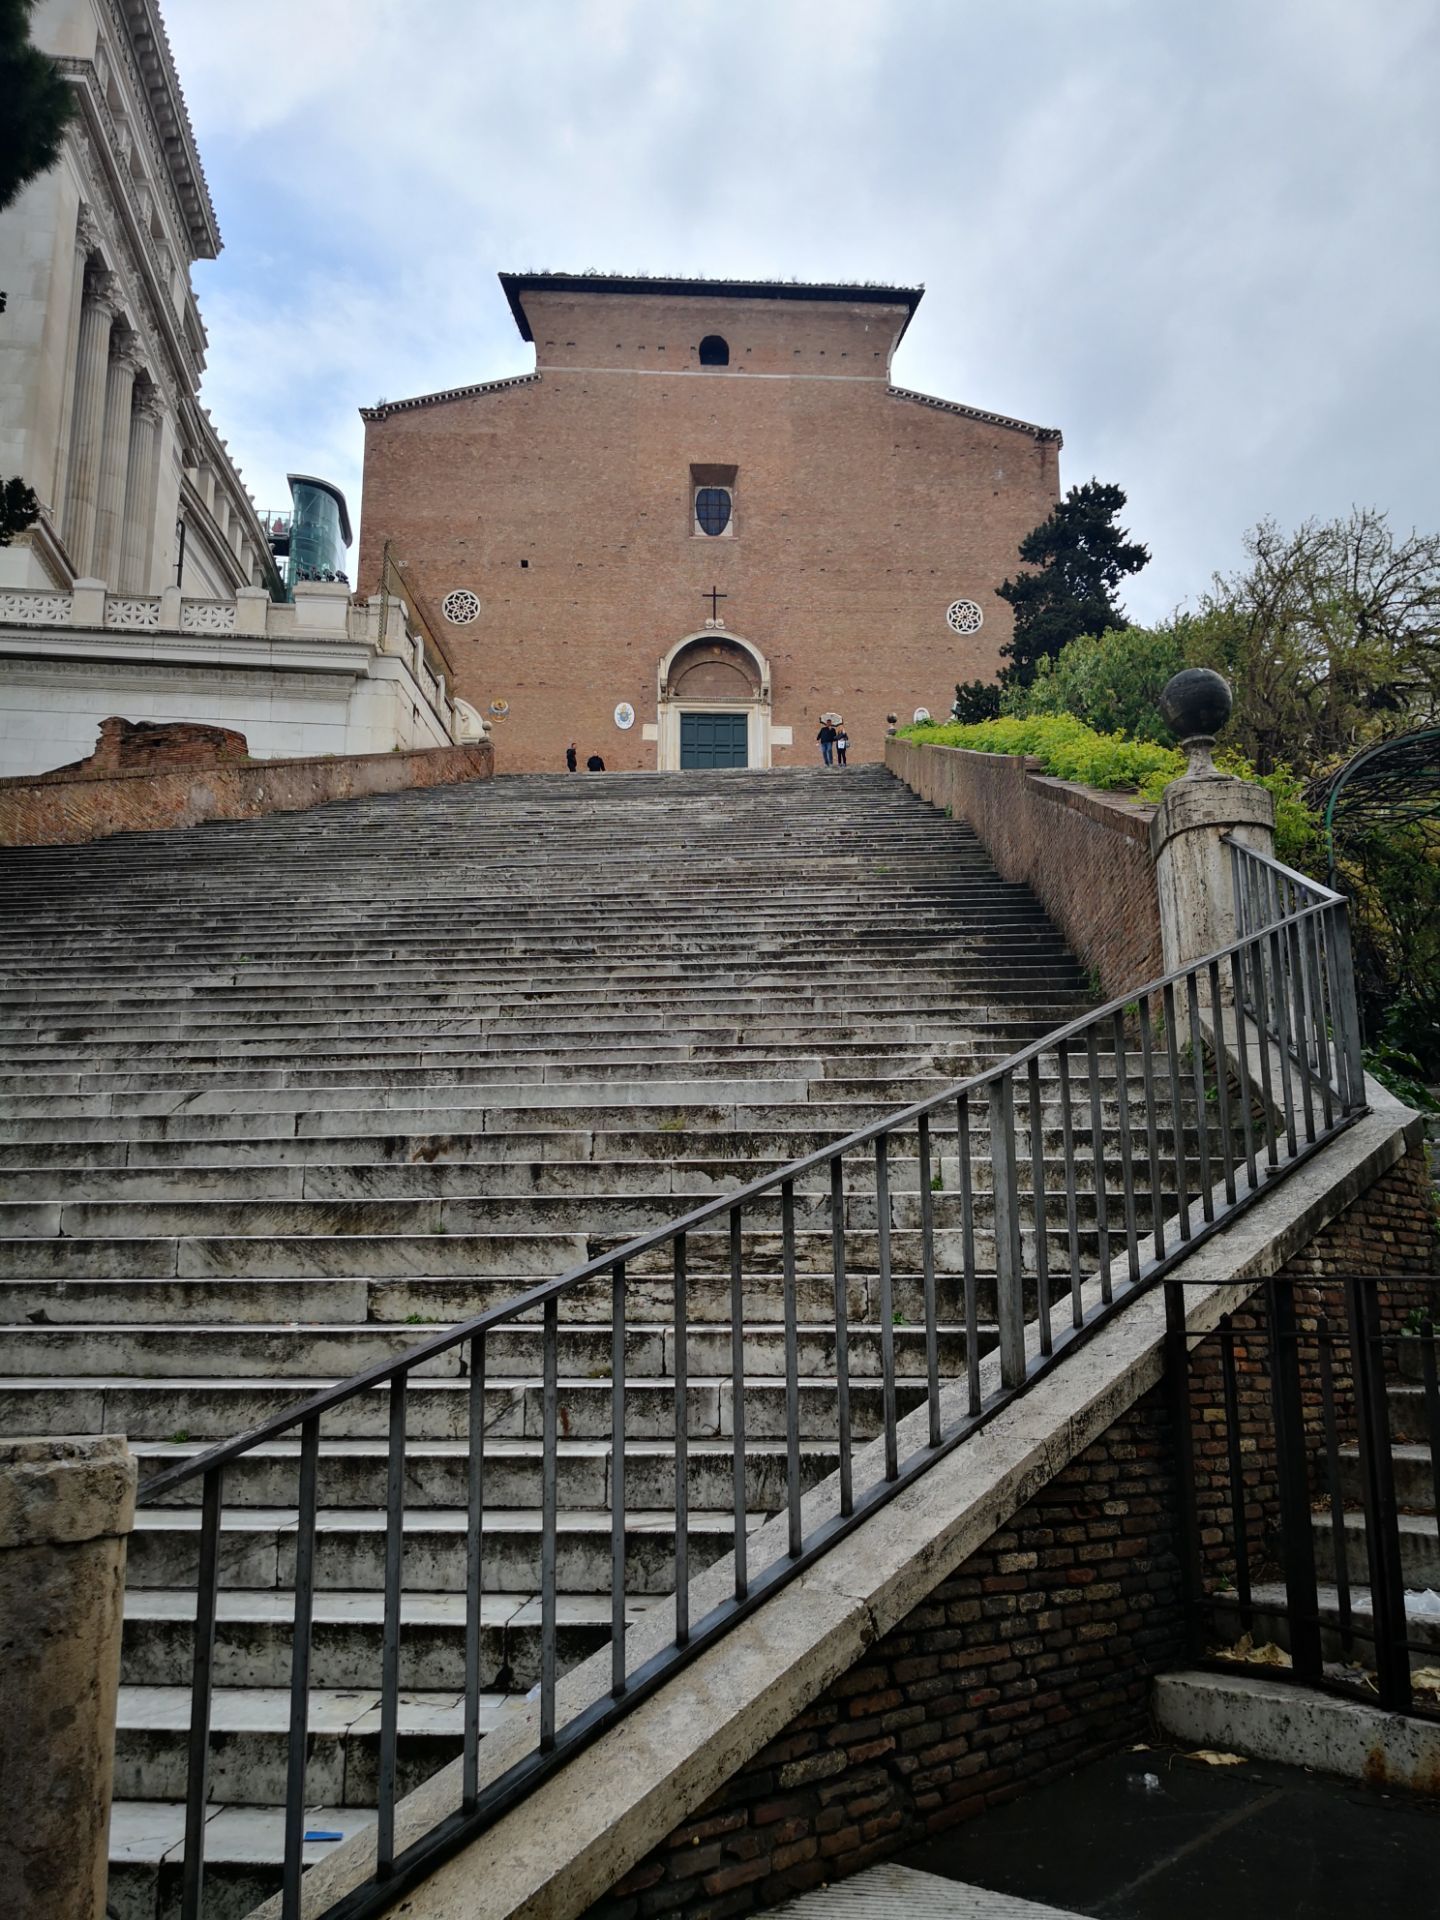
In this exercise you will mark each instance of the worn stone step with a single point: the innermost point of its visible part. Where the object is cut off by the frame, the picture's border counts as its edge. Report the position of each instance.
(215, 1409)
(251, 1728)
(352, 1473)
(253, 1638)
(257, 1548)
(169, 1349)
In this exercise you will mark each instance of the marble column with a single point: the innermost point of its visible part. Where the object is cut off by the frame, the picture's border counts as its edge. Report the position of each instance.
(92, 361)
(114, 458)
(87, 239)
(140, 482)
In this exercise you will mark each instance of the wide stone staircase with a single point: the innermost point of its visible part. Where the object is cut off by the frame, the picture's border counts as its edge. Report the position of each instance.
(280, 1098)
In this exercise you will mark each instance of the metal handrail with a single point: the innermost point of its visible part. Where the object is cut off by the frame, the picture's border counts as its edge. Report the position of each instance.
(1288, 974)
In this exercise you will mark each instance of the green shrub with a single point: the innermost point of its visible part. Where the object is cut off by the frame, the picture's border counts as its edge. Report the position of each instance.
(1068, 749)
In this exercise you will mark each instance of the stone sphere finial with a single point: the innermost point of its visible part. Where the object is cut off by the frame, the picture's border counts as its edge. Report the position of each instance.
(1195, 705)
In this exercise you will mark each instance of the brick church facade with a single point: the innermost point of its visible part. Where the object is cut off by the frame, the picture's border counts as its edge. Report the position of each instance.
(705, 520)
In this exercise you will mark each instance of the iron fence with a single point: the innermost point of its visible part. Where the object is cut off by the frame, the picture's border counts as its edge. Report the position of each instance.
(1081, 1168)
(1310, 1484)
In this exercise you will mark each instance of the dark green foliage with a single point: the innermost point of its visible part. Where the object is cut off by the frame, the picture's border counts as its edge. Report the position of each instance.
(36, 102)
(976, 700)
(18, 509)
(1080, 556)
(1393, 879)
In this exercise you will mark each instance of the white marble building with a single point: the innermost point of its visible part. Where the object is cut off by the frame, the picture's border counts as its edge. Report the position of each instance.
(145, 588)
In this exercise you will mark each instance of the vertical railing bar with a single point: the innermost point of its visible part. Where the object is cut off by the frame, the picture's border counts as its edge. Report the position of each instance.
(1235, 1469)
(1097, 1157)
(202, 1682)
(792, 1365)
(967, 1225)
(1299, 1021)
(1274, 914)
(1197, 1074)
(1237, 890)
(1275, 941)
(1292, 1460)
(1177, 1113)
(1072, 1209)
(300, 1643)
(1242, 1064)
(1319, 1027)
(1127, 1152)
(1152, 1127)
(842, 1332)
(1432, 1412)
(737, 1398)
(1333, 994)
(1009, 1266)
(681, 1335)
(1382, 1525)
(1338, 1549)
(1269, 1115)
(1222, 1081)
(887, 1301)
(390, 1647)
(618, 1680)
(927, 1257)
(1345, 974)
(1040, 1209)
(549, 1519)
(474, 1569)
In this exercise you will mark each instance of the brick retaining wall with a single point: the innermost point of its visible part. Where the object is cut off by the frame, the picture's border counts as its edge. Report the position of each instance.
(49, 811)
(1084, 854)
(1034, 1656)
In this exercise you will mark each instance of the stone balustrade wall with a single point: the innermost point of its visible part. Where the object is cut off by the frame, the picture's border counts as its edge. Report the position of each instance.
(89, 804)
(1083, 853)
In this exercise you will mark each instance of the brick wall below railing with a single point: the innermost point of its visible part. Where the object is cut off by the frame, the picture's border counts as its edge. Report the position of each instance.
(1031, 1658)
(90, 805)
(1034, 1656)
(1084, 854)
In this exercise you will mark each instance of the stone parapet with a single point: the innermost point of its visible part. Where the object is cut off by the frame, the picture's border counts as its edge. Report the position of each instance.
(66, 1506)
(1084, 853)
(85, 804)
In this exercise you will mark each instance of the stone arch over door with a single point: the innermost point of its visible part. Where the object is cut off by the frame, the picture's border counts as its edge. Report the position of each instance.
(713, 673)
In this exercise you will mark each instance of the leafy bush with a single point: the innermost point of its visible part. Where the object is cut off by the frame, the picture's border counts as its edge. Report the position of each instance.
(1065, 747)
(1070, 750)
(1113, 680)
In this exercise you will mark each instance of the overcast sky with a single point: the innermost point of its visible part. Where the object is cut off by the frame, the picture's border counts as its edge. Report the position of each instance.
(1200, 236)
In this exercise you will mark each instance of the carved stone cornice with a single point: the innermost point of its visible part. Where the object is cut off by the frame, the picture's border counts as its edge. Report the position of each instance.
(127, 349)
(87, 229)
(103, 290)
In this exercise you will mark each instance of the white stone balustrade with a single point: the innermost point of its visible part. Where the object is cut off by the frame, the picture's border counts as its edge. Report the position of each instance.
(322, 613)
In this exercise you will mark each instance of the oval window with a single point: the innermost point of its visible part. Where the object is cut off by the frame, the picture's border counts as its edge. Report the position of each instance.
(712, 509)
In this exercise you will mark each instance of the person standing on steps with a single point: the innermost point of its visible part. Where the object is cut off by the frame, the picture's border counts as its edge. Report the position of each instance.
(572, 760)
(594, 764)
(826, 737)
(842, 744)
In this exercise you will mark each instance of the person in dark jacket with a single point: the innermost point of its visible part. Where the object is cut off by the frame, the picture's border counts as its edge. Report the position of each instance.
(594, 764)
(571, 758)
(826, 737)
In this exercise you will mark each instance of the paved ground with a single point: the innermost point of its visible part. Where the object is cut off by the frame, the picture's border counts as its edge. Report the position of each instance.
(1252, 1842)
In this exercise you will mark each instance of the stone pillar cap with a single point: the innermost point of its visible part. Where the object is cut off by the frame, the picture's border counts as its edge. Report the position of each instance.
(65, 1488)
(1209, 802)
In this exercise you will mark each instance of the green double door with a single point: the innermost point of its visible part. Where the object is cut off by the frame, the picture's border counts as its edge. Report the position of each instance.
(714, 740)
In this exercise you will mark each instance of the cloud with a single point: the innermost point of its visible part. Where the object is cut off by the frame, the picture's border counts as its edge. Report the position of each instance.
(1196, 237)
